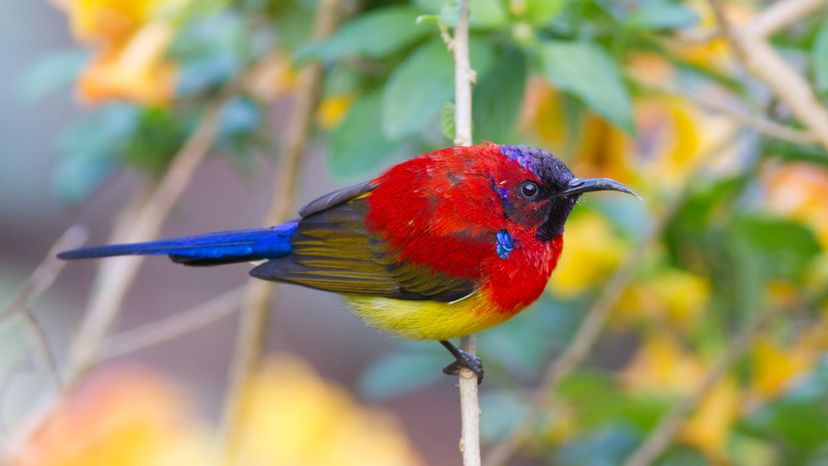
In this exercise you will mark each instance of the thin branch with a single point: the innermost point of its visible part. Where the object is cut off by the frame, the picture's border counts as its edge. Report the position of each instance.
(115, 276)
(762, 125)
(42, 342)
(172, 327)
(41, 280)
(780, 15)
(584, 340)
(464, 77)
(250, 340)
(46, 272)
(670, 424)
(764, 63)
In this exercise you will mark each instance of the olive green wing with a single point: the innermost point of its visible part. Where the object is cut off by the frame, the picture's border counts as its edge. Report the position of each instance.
(333, 251)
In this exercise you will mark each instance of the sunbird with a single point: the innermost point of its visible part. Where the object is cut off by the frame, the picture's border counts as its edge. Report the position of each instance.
(440, 246)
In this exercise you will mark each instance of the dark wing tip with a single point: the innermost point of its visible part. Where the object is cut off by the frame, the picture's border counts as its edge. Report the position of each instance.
(336, 198)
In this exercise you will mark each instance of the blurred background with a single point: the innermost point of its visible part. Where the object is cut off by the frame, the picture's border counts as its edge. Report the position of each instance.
(711, 296)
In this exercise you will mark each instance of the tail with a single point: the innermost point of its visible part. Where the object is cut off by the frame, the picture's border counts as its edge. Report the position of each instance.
(224, 247)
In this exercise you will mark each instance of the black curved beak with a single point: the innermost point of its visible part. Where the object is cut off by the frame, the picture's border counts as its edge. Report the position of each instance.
(586, 185)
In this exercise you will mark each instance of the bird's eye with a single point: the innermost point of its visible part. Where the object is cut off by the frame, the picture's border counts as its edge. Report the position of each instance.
(529, 190)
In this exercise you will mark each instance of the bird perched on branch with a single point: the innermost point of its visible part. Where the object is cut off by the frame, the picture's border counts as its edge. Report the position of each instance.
(440, 246)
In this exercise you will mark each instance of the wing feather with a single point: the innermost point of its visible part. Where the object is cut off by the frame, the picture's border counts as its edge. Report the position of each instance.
(333, 251)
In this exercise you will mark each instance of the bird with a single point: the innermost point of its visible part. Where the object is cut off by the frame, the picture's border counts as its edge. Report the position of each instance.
(437, 247)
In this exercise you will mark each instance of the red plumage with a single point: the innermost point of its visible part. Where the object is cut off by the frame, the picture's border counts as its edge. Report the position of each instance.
(443, 245)
(443, 210)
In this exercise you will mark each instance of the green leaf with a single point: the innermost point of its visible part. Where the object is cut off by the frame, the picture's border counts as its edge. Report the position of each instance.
(294, 22)
(90, 149)
(239, 134)
(484, 14)
(52, 74)
(540, 12)
(660, 16)
(417, 90)
(784, 246)
(790, 152)
(597, 399)
(450, 13)
(585, 70)
(211, 50)
(159, 135)
(420, 86)
(819, 60)
(498, 98)
(375, 34)
(356, 145)
(797, 423)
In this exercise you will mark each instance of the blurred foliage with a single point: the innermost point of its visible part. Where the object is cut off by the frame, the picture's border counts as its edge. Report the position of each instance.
(133, 416)
(590, 80)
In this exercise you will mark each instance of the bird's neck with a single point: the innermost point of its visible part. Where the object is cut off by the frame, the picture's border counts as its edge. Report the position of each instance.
(518, 281)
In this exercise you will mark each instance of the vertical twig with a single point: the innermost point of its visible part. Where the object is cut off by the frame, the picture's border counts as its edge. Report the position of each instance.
(589, 331)
(463, 79)
(250, 340)
(116, 275)
(669, 425)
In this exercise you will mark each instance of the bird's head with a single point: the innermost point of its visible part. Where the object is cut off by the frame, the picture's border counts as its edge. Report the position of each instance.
(543, 191)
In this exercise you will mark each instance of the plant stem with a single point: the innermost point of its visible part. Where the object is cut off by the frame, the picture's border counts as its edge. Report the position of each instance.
(463, 79)
(116, 275)
(760, 59)
(584, 340)
(250, 341)
(172, 327)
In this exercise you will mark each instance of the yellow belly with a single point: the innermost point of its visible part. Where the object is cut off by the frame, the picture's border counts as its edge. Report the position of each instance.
(428, 320)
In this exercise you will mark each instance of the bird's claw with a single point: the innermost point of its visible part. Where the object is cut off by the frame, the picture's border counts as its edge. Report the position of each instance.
(468, 361)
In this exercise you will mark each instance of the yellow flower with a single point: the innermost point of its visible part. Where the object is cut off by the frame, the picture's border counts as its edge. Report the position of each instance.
(125, 417)
(138, 72)
(131, 38)
(332, 110)
(672, 134)
(776, 367)
(662, 366)
(108, 21)
(677, 296)
(709, 428)
(604, 151)
(709, 50)
(590, 254)
(297, 418)
(542, 113)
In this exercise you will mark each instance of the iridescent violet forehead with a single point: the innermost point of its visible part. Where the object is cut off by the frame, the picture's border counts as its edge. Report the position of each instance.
(546, 166)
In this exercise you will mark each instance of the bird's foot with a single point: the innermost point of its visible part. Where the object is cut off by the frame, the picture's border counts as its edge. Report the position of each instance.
(463, 360)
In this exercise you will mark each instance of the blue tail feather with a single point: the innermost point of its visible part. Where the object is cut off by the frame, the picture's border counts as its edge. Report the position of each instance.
(207, 249)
